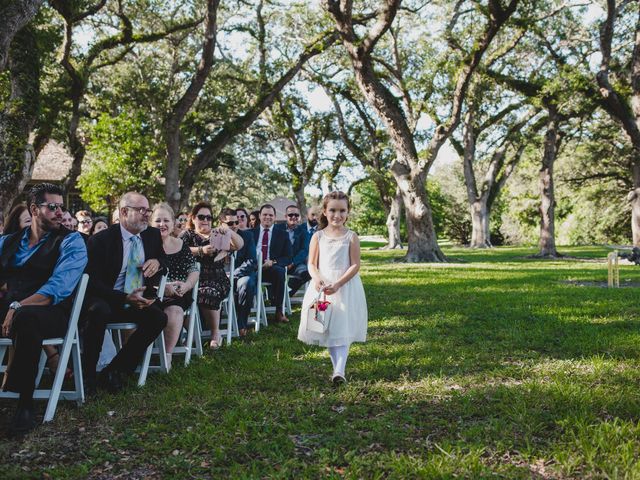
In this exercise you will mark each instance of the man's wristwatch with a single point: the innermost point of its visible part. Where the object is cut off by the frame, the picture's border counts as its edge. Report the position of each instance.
(15, 305)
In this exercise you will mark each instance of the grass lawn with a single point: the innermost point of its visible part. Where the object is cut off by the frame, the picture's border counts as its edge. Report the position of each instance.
(493, 365)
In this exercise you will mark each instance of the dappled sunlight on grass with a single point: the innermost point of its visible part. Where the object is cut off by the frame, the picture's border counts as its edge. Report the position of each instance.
(492, 366)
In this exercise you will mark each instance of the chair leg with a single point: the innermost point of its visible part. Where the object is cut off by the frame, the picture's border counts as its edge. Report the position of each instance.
(144, 368)
(77, 373)
(198, 334)
(162, 351)
(41, 364)
(190, 332)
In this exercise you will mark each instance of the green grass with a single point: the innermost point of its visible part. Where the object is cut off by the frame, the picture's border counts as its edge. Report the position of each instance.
(496, 364)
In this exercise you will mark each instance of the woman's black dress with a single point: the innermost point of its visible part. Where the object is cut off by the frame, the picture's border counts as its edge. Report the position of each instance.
(214, 283)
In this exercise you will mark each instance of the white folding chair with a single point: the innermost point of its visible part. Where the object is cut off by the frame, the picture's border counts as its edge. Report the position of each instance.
(70, 347)
(143, 369)
(228, 307)
(258, 315)
(193, 333)
(286, 307)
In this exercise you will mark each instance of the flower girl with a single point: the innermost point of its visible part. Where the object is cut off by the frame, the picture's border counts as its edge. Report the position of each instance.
(334, 310)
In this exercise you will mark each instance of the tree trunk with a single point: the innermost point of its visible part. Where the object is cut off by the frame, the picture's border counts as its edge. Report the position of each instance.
(173, 122)
(393, 222)
(15, 15)
(18, 118)
(422, 243)
(301, 201)
(547, 241)
(480, 232)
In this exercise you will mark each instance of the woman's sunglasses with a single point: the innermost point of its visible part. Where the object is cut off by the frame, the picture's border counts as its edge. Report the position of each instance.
(204, 218)
(231, 224)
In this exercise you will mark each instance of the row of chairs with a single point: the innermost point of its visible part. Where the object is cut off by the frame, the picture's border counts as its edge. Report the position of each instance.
(194, 335)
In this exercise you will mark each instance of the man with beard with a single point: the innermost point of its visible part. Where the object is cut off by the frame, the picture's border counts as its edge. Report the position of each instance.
(41, 266)
(123, 259)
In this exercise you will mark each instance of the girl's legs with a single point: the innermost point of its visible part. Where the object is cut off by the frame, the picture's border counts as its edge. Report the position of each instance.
(175, 316)
(339, 357)
(212, 317)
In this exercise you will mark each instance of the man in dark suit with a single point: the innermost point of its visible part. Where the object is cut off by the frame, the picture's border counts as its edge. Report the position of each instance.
(123, 259)
(300, 239)
(245, 273)
(41, 266)
(276, 255)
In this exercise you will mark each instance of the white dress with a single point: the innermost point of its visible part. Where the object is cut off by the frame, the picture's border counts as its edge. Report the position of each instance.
(348, 322)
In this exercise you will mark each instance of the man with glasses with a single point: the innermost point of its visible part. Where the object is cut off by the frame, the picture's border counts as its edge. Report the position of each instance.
(246, 271)
(41, 266)
(125, 263)
(300, 239)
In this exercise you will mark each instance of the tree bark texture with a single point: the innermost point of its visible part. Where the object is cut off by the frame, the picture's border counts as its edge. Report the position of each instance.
(547, 243)
(18, 117)
(15, 15)
(181, 108)
(620, 107)
(393, 222)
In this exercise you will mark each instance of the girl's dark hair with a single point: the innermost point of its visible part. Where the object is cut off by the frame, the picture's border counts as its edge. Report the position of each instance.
(256, 215)
(96, 221)
(12, 225)
(335, 195)
(194, 211)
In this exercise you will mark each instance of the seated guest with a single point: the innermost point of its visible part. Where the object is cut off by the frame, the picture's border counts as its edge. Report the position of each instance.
(276, 255)
(67, 220)
(74, 224)
(99, 224)
(180, 223)
(254, 219)
(84, 222)
(214, 283)
(300, 239)
(313, 215)
(41, 266)
(122, 259)
(18, 219)
(243, 218)
(246, 269)
(183, 275)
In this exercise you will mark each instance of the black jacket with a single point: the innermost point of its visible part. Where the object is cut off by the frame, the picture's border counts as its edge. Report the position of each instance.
(280, 247)
(246, 262)
(105, 261)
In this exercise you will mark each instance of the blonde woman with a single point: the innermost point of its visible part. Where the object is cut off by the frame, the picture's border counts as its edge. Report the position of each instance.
(183, 275)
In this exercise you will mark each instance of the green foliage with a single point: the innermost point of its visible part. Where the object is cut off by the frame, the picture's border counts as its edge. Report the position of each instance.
(122, 156)
(368, 216)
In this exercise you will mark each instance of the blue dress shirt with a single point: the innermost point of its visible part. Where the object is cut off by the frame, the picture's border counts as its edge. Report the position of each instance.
(68, 269)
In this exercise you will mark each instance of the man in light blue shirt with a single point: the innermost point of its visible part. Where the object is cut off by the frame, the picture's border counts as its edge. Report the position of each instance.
(41, 266)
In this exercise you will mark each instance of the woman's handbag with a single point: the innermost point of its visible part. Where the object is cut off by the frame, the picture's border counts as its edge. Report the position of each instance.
(319, 314)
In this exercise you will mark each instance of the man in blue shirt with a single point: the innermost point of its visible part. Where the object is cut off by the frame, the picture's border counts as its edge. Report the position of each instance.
(41, 266)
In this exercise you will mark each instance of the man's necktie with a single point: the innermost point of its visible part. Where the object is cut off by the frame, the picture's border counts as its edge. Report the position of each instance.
(133, 278)
(265, 245)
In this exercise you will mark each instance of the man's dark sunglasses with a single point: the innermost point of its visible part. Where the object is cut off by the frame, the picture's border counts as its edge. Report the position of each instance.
(204, 218)
(231, 224)
(291, 215)
(53, 206)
